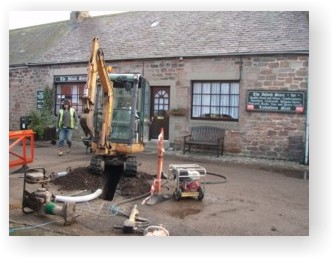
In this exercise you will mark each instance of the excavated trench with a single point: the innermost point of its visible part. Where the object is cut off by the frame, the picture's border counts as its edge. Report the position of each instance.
(112, 182)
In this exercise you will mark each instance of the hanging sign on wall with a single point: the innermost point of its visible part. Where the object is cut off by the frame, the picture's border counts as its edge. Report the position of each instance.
(276, 101)
(40, 100)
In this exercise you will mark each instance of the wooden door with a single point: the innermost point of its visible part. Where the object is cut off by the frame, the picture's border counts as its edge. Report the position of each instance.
(159, 107)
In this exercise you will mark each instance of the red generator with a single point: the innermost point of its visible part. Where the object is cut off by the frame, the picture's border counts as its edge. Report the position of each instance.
(189, 180)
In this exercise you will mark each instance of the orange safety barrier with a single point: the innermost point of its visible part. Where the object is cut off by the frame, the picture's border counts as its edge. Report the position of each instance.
(26, 156)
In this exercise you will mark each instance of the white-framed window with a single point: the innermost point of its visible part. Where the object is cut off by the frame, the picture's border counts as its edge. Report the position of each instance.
(215, 100)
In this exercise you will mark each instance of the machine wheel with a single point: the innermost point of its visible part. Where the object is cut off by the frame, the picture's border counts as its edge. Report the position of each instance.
(177, 194)
(200, 193)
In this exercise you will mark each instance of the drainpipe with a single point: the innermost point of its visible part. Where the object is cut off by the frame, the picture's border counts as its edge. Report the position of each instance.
(240, 68)
(306, 155)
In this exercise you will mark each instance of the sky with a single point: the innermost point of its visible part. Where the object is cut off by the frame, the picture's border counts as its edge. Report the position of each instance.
(21, 19)
(26, 18)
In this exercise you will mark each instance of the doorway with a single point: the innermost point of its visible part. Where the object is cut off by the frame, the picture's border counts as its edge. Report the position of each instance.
(158, 111)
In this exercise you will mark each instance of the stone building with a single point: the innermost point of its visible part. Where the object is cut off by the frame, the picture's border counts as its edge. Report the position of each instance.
(246, 72)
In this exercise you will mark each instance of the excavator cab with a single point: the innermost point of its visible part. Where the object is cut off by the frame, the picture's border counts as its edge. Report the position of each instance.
(127, 125)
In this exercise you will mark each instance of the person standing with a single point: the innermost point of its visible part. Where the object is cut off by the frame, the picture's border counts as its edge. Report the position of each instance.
(67, 121)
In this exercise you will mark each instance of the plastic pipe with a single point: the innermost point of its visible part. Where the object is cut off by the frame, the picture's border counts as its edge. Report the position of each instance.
(84, 198)
(56, 175)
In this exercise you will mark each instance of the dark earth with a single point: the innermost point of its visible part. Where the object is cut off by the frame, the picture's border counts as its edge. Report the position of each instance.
(81, 179)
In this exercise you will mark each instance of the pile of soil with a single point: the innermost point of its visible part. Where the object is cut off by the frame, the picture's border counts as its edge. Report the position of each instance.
(80, 179)
(135, 186)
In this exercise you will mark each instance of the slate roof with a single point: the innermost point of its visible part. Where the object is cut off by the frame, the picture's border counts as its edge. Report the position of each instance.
(153, 34)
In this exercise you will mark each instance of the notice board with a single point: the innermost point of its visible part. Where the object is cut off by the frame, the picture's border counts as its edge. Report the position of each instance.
(40, 99)
(276, 101)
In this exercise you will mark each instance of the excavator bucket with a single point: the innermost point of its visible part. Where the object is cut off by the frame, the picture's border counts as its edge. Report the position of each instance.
(86, 123)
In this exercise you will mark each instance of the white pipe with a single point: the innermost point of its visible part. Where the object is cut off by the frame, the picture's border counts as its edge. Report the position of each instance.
(54, 175)
(84, 198)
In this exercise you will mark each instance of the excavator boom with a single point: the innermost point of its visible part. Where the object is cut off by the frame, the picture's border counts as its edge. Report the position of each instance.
(97, 66)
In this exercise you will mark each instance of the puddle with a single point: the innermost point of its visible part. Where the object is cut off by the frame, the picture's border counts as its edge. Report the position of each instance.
(184, 212)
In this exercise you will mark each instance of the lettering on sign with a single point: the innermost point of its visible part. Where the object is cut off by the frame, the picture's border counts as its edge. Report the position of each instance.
(70, 78)
(276, 101)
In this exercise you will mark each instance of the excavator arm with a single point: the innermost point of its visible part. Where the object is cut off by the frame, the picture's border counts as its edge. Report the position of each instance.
(98, 72)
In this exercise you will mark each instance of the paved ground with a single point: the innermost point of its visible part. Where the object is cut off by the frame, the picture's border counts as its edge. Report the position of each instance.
(259, 198)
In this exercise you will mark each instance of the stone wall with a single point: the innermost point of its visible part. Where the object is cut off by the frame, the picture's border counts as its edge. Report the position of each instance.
(267, 134)
(24, 82)
(256, 134)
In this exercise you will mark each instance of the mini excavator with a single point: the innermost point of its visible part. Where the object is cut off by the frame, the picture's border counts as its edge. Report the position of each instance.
(113, 117)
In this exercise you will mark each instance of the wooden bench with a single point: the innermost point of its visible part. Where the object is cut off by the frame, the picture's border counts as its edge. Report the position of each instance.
(205, 136)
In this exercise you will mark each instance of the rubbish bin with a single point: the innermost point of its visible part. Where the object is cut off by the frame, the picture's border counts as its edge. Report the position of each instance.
(24, 122)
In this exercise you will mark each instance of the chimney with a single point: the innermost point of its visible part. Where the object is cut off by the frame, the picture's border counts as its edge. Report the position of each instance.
(78, 16)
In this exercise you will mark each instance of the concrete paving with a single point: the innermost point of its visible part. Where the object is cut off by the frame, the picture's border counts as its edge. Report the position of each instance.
(259, 198)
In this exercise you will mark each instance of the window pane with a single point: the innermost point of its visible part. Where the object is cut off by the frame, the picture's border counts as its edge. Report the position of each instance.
(234, 88)
(215, 110)
(206, 110)
(224, 101)
(197, 88)
(215, 88)
(75, 98)
(206, 88)
(206, 99)
(234, 100)
(197, 99)
(224, 110)
(234, 113)
(215, 100)
(225, 88)
(196, 111)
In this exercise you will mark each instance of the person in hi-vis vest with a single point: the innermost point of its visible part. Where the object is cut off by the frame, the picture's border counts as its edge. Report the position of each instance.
(67, 121)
